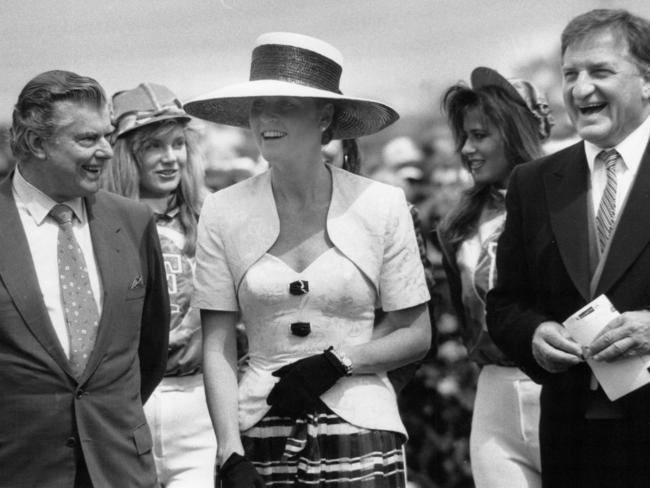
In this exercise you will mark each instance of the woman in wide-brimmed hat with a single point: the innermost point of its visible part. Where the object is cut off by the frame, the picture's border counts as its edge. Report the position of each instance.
(304, 253)
(156, 160)
(497, 124)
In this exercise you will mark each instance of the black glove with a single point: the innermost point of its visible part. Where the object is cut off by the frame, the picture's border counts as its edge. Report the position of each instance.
(303, 382)
(239, 472)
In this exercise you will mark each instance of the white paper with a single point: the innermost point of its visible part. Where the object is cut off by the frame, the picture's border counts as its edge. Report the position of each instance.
(617, 378)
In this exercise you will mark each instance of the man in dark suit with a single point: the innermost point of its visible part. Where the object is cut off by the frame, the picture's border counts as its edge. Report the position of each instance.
(578, 226)
(83, 301)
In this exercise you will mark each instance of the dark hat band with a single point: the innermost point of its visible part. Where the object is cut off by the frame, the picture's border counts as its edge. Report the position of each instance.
(295, 65)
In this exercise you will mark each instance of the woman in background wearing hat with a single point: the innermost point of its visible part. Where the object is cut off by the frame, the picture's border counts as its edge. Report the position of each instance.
(304, 253)
(497, 125)
(156, 160)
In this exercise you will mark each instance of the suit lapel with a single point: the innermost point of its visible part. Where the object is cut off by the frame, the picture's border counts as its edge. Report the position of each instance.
(567, 190)
(19, 277)
(107, 245)
(632, 233)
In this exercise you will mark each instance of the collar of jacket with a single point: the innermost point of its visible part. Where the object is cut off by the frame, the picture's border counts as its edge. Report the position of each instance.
(357, 221)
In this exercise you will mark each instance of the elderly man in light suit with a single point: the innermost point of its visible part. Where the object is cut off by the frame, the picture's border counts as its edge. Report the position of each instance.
(578, 226)
(83, 301)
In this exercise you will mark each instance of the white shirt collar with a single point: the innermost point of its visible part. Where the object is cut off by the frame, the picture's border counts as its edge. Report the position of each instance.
(631, 148)
(38, 204)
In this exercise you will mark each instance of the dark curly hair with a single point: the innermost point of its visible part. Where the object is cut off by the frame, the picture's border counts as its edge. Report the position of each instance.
(519, 130)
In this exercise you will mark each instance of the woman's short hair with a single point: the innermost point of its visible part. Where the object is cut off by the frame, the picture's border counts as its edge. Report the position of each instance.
(34, 110)
(634, 29)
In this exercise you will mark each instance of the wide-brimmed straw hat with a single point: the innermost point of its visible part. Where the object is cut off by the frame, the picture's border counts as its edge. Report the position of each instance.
(145, 104)
(293, 65)
(521, 90)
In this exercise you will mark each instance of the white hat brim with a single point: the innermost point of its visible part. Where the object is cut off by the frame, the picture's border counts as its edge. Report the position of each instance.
(354, 117)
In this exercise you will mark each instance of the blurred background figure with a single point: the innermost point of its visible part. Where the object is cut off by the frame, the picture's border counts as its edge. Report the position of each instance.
(403, 164)
(223, 173)
(497, 125)
(333, 153)
(230, 155)
(447, 182)
(7, 161)
(343, 153)
(157, 161)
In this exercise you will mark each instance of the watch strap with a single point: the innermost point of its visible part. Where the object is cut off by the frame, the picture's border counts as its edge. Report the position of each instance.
(339, 360)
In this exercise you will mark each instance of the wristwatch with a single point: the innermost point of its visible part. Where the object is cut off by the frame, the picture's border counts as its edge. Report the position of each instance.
(342, 359)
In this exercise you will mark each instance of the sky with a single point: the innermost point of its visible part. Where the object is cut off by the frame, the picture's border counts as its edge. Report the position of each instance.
(403, 52)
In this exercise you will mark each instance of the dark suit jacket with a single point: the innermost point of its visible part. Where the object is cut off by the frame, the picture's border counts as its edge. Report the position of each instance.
(44, 411)
(544, 272)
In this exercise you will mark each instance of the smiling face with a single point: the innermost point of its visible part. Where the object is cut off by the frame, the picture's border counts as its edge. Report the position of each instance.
(605, 92)
(288, 128)
(483, 151)
(73, 157)
(161, 158)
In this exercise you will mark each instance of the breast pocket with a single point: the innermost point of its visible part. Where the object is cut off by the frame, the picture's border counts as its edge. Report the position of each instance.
(130, 311)
(136, 294)
(136, 287)
(142, 439)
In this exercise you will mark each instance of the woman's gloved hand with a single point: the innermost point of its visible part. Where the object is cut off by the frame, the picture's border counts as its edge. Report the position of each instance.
(239, 472)
(303, 382)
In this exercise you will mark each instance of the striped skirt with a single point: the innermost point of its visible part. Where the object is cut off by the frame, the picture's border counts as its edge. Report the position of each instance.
(322, 450)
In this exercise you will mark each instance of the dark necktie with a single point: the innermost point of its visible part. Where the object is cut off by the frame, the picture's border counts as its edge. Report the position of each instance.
(607, 208)
(79, 306)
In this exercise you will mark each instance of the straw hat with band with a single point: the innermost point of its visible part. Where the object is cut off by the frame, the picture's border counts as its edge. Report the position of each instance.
(146, 104)
(293, 65)
(522, 91)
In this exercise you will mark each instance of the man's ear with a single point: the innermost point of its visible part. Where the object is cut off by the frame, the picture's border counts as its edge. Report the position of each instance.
(36, 144)
(646, 84)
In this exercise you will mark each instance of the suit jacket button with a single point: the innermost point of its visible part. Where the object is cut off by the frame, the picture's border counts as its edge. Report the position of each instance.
(71, 442)
(301, 329)
(80, 393)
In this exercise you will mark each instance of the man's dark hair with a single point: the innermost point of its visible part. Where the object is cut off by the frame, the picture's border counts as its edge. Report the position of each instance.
(634, 29)
(34, 110)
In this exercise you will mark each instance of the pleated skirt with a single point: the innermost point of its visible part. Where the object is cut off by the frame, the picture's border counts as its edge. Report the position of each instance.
(322, 450)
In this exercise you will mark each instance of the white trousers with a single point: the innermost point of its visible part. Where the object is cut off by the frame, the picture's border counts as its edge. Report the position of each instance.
(504, 442)
(184, 444)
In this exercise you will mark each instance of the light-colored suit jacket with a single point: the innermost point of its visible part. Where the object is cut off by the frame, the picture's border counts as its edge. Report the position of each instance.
(369, 222)
(45, 413)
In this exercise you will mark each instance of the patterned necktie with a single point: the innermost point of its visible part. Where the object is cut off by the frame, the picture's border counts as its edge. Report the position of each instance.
(79, 306)
(607, 208)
